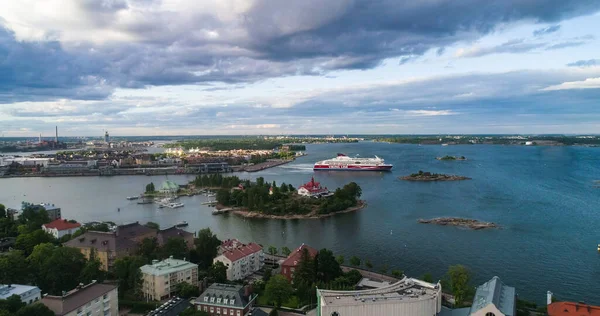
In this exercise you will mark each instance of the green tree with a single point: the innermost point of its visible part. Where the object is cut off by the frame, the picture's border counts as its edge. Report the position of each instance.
(384, 269)
(427, 277)
(33, 217)
(12, 304)
(26, 242)
(176, 247)
(36, 309)
(150, 187)
(285, 251)
(54, 268)
(305, 273)
(272, 250)
(278, 290)
(152, 225)
(2, 211)
(368, 264)
(127, 271)
(327, 266)
(459, 278)
(148, 249)
(206, 248)
(92, 270)
(267, 275)
(187, 290)
(13, 268)
(274, 312)
(397, 273)
(355, 261)
(218, 272)
(340, 259)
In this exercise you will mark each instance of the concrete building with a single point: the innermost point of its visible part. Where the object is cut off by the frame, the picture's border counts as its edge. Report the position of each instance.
(124, 241)
(491, 298)
(52, 210)
(240, 259)
(161, 277)
(226, 299)
(28, 294)
(290, 264)
(406, 297)
(61, 227)
(91, 300)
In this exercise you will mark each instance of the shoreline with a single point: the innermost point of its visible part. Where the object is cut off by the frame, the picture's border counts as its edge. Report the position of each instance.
(247, 214)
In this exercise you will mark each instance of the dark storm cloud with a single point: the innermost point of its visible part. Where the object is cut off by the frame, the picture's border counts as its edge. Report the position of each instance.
(585, 63)
(546, 30)
(43, 70)
(272, 39)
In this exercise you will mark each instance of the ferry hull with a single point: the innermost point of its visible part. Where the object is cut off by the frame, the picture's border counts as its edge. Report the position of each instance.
(352, 168)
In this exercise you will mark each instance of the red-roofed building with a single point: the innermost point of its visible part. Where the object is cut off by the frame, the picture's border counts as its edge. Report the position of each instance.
(290, 264)
(240, 259)
(312, 188)
(61, 227)
(572, 309)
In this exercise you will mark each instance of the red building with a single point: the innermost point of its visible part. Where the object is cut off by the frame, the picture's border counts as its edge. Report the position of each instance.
(226, 300)
(572, 309)
(312, 188)
(290, 264)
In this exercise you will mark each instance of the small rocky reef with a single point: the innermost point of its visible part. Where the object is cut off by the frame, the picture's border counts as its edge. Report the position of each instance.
(461, 222)
(428, 176)
(451, 158)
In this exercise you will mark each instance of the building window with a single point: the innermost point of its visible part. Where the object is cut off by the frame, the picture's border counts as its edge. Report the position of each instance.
(212, 299)
(490, 314)
(105, 296)
(225, 301)
(205, 309)
(212, 310)
(231, 312)
(232, 302)
(218, 310)
(238, 313)
(206, 298)
(219, 301)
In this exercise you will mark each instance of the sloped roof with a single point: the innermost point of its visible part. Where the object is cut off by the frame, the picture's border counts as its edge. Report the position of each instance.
(169, 185)
(61, 224)
(294, 258)
(497, 293)
(225, 291)
(572, 309)
(242, 251)
(133, 230)
(173, 232)
(105, 241)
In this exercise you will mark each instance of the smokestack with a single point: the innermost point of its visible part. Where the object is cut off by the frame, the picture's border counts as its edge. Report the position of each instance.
(56, 137)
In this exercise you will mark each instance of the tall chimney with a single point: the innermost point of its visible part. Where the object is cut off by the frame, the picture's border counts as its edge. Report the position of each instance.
(56, 137)
(549, 298)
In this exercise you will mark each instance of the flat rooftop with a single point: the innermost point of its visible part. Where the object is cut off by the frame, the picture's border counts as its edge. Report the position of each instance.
(406, 290)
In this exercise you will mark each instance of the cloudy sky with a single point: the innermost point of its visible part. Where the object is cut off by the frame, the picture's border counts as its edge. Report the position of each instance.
(206, 67)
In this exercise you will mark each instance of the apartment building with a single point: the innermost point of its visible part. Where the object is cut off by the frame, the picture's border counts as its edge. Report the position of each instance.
(240, 259)
(93, 299)
(160, 278)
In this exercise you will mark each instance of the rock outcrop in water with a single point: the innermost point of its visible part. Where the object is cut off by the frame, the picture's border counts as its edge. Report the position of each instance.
(451, 158)
(428, 176)
(462, 222)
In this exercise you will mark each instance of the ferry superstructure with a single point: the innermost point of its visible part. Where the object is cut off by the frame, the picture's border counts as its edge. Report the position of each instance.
(345, 163)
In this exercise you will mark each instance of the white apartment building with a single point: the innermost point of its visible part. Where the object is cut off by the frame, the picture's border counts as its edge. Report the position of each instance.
(240, 259)
(160, 278)
(90, 300)
(29, 294)
(61, 227)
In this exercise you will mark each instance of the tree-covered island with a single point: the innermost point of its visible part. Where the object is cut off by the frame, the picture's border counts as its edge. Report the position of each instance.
(428, 176)
(269, 200)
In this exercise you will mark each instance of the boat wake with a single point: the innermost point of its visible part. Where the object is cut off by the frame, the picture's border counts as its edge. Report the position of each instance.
(301, 167)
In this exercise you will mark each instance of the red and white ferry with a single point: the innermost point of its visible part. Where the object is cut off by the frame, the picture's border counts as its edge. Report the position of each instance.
(345, 163)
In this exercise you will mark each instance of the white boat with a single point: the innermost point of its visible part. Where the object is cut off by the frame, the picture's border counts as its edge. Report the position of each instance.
(175, 205)
(133, 197)
(345, 163)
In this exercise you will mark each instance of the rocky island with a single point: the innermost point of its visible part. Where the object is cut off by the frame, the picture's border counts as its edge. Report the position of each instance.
(451, 158)
(461, 222)
(428, 176)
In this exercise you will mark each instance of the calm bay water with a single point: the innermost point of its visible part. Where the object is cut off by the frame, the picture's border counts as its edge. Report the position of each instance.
(543, 197)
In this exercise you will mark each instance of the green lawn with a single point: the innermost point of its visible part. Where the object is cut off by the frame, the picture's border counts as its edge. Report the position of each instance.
(291, 303)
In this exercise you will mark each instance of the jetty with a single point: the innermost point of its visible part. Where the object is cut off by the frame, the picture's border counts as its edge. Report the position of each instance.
(222, 211)
(209, 203)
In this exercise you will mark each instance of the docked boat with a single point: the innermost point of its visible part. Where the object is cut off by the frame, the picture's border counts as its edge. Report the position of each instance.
(181, 224)
(345, 163)
(133, 197)
(175, 205)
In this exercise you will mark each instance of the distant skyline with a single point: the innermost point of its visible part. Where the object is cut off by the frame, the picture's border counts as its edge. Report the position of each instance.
(233, 67)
